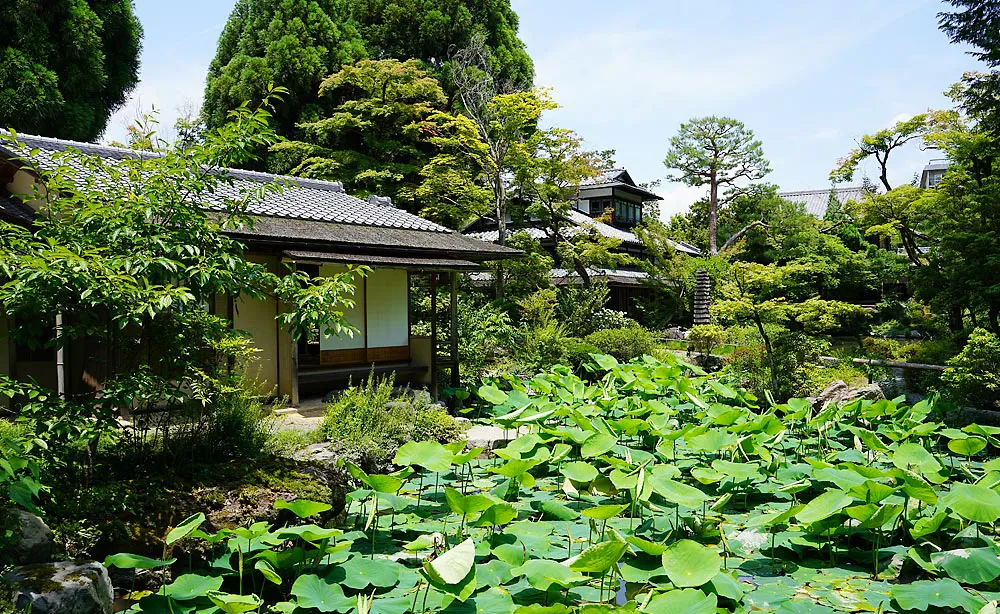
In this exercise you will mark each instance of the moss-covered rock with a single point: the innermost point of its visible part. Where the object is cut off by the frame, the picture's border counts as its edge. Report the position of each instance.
(66, 587)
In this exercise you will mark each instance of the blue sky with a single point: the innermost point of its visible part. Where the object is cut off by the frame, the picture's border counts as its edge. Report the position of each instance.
(808, 77)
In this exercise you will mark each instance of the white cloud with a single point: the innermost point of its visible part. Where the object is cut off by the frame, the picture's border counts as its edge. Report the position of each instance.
(677, 198)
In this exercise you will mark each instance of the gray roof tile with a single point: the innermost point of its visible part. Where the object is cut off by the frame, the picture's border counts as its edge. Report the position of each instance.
(307, 199)
(816, 201)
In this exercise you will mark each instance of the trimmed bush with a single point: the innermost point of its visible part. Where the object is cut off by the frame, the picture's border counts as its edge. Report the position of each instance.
(623, 343)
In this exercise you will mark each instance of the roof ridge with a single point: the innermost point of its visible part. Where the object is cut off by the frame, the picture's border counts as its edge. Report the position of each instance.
(300, 181)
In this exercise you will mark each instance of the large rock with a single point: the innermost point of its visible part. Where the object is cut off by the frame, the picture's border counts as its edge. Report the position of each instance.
(839, 392)
(65, 587)
(32, 538)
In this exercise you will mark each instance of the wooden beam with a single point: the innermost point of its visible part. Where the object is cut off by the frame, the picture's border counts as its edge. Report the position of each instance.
(455, 381)
(434, 339)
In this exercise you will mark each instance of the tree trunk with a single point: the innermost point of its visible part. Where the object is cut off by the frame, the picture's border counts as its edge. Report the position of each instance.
(713, 216)
(769, 349)
(955, 322)
(500, 209)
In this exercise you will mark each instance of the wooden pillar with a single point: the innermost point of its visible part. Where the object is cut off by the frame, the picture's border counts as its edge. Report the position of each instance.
(455, 380)
(434, 338)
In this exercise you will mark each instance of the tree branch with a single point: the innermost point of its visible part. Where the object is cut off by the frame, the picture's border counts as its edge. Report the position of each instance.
(736, 237)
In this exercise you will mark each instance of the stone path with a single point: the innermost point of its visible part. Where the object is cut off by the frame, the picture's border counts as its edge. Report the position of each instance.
(309, 418)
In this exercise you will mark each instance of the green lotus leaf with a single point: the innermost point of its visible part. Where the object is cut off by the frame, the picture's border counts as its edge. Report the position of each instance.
(944, 593)
(124, 560)
(604, 512)
(739, 471)
(191, 586)
(466, 504)
(690, 564)
(598, 444)
(453, 566)
(915, 458)
(311, 591)
(579, 471)
(235, 604)
(973, 502)
(824, 506)
(303, 508)
(267, 570)
(360, 572)
(970, 446)
(678, 493)
(491, 394)
(968, 565)
(430, 455)
(185, 528)
(599, 558)
(543, 573)
(553, 510)
(686, 601)
(496, 515)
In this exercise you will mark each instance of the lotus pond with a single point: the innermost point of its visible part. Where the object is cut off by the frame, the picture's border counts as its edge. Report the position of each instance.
(651, 487)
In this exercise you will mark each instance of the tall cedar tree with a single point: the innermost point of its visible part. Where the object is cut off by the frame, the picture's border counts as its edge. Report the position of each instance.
(66, 68)
(298, 43)
(430, 31)
(290, 43)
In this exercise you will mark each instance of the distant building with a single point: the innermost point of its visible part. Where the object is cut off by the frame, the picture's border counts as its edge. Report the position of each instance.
(818, 201)
(611, 204)
(933, 173)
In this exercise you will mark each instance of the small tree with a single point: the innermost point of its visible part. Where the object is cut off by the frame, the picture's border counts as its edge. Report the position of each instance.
(718, 152)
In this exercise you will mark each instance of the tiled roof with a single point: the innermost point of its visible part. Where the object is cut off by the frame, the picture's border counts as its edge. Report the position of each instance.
(304, 199)
(578, 220)
(564, 276)
(816, 201)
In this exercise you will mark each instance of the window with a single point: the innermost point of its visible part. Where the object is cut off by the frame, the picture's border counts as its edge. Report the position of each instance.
(627, 212)
(599, 205)
(934, 178)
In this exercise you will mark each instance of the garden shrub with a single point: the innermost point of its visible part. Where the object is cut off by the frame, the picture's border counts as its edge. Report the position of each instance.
(542, 346)
(623, 343)
(934, 352)
(577, 306)
(371, 421)
(607, 319)
(797, 366)
(484, 335)
(578, 353)
(235, 426)
(974, 374)
(704, 338)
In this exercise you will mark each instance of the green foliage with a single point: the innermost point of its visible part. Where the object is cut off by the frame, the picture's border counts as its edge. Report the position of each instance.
(64, 70)
(605, 319)
(546, 343)
(653, 474)
(369, 133)
(623, 343)
(704, 338)
(485, 333)
(371, 421)
(974, 374)
(430, 31)
(578, 308)
(290, 43)
(719, 152)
